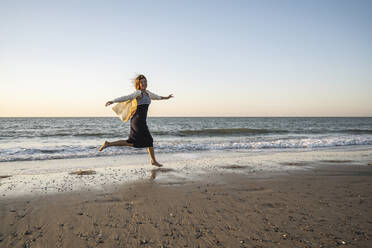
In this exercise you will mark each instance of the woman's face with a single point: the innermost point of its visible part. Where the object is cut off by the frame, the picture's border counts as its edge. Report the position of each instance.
(143, 84)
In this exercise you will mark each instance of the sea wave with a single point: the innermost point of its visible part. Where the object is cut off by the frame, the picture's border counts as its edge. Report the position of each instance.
(181, 145)
(219, 132)
(184, 133)
(58, 135)
(357, 131)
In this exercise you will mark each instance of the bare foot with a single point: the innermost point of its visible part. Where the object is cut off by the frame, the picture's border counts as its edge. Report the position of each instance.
(155, 163)
(103, 146)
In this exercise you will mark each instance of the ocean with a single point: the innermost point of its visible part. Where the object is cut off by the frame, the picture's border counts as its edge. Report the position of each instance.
(25, 139)
(40, 155)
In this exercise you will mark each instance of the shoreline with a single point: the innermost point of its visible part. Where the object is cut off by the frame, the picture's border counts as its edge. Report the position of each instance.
(50, 177)
(326, 206)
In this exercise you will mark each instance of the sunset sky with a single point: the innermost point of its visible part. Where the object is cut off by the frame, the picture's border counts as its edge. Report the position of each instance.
(219, 58)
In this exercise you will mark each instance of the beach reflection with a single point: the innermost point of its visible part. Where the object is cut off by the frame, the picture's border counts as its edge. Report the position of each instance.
(155, 172)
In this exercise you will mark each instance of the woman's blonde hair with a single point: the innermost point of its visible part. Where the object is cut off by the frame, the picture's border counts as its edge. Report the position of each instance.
(137, 81)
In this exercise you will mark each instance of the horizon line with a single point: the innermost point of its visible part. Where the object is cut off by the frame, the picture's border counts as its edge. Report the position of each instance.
(191, 116)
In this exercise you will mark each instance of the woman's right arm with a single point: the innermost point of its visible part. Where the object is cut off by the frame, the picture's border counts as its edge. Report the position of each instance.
(124, 98)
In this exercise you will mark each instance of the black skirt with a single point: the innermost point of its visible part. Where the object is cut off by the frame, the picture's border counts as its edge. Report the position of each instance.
(139, 132)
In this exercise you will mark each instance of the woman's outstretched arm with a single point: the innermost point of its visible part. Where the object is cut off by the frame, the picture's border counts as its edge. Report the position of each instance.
(124, 98)
(154, 96)
(166, 97)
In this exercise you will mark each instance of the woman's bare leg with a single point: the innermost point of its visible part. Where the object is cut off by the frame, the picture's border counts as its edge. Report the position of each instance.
(114, 143)
(152, 156)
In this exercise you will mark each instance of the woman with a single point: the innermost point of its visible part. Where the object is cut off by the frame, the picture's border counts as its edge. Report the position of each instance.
(135, 106)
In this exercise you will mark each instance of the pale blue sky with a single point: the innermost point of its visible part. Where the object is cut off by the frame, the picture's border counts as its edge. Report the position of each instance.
(219, 58)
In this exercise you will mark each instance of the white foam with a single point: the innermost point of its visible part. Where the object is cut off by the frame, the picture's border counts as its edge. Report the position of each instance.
(179, 145)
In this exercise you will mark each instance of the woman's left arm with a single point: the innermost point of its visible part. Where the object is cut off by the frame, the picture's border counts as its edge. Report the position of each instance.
(153, 96)
(166, 97)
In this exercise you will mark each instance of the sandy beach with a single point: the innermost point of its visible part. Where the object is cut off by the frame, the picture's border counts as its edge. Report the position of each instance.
(198, 124)
(327, 206)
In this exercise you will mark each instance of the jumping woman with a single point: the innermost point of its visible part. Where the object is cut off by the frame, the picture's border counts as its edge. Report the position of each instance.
(135, 106)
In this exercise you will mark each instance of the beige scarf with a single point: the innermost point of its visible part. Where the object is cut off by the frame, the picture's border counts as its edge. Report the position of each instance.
(125, 110)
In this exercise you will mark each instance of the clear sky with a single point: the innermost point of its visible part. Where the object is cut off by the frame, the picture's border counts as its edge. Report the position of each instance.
(219, 58)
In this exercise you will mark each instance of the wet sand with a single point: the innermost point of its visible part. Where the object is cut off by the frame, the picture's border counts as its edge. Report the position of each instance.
(324, 207)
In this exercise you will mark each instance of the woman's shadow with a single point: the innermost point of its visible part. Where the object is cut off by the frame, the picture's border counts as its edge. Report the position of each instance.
(157, 171)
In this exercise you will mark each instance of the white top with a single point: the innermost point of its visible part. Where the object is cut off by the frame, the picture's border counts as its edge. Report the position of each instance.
(145, 99)
(136, 94)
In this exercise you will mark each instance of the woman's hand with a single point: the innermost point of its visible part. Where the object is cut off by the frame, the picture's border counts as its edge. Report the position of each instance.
(170, 96)
(108, 103)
